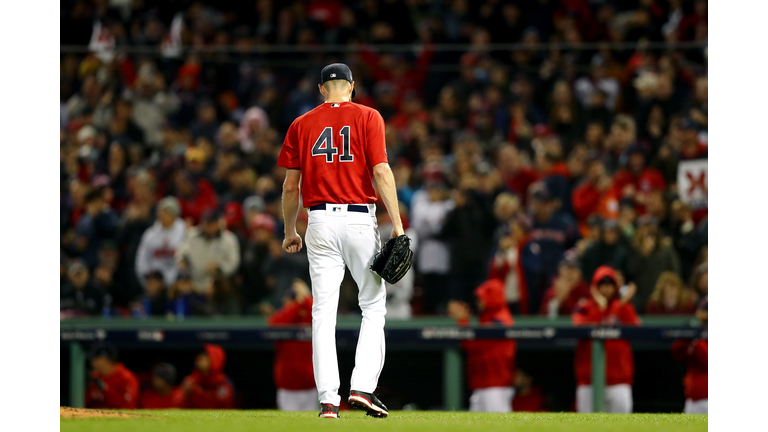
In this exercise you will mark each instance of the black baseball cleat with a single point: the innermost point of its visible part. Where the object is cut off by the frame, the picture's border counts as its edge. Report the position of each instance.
(367, 402)
(329, 411)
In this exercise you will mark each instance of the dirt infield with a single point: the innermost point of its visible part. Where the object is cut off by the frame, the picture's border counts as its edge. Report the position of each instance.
(69, 413)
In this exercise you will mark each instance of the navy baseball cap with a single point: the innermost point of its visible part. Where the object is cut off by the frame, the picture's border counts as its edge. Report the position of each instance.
(336, 71)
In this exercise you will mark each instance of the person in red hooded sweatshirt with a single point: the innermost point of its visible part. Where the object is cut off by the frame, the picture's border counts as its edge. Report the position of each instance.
(294, 377)
(111, 384)
(490, 363)
(606, 308)
(695, 354)
(208, 387)
(162, 394)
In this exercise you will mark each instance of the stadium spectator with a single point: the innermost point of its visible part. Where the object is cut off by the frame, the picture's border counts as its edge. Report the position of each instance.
(155, 300)
(609, 250)
(209, 251)
(594, 196)
(293, 373)
(568, 289)
(110, 384)
(651, 255)
(97, 224)
(551, 234)
(184, 300)
(79, 295)
(152, 103)
(196, 196)
(671, 297)
(507, 265)
(700, 280)
(637, 180)
(159, 243)
(606, 307)
(469, 225)
(529, 397)
(490, 363)
(695, 353)
(283, 268)
(255, 252)
(162, 393)
(430, 206)
(208, 387)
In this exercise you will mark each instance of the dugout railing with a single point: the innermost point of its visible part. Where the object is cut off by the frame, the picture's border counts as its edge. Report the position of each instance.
(439, 334)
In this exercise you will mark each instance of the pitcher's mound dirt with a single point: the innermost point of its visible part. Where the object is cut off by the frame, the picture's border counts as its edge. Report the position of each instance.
(68, 413)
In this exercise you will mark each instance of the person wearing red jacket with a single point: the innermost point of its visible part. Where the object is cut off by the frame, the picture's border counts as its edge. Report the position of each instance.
(594, 196)
(162, 394)
(637, 180)
(294, 376)
(569, 288)
(490, 363)
(111, 384)
(195, 196)
(695, 353)
(529, 397)
(208, 387)
(606, 308)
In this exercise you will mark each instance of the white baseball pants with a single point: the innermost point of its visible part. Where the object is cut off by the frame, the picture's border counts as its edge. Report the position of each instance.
(492, 399)
(696, 407)
(335, 238)
(618, 399)
(297, 400)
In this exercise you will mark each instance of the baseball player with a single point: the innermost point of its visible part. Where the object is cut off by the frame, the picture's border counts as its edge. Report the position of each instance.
(332, 154)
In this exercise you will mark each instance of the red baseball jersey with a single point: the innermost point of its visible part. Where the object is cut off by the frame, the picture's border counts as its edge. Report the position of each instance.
(336, 146)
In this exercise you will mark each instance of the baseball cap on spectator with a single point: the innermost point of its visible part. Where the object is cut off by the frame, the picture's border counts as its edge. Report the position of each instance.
(569, 262)
(434, 177)
(646, 220)
(170, 204)
(254, 203)
(610, 224)
(263, 221)
(184, 274)
(75, 266)
(541, 192)
(85, 133)
(626, 202)
(165, 371)
(233, 213)
(194, 154)
(594, 221)
(636, 148)
(154, 274)
(87, 154)
(689, 124)
(103, 349)
(212, 215)
(100, 181)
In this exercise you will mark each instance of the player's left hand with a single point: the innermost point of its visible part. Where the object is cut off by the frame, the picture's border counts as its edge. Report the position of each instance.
(292, 243)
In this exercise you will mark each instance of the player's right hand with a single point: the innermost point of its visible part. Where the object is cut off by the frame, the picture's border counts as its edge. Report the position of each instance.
(292, 243)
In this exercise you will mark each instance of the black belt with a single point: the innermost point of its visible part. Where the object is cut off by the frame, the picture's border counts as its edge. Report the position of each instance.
(350, 207)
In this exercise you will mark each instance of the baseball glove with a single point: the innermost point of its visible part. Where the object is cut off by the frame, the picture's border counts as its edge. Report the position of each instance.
(394, 259)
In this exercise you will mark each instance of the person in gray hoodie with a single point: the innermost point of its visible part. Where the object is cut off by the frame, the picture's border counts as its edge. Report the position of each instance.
(209, 251)
(159, 243)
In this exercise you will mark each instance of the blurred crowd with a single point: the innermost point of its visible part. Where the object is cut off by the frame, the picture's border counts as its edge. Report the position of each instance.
(531, 165)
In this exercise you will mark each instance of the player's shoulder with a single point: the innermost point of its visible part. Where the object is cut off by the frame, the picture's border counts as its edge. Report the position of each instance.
(365, 109)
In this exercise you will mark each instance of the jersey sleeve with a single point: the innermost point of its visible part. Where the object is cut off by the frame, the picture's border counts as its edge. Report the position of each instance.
(377, 143)
(289, 154)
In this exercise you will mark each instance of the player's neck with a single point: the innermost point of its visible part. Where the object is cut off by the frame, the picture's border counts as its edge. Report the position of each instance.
(337, 97)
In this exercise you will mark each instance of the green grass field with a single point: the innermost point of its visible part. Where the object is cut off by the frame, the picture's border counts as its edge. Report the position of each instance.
(355, 421)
